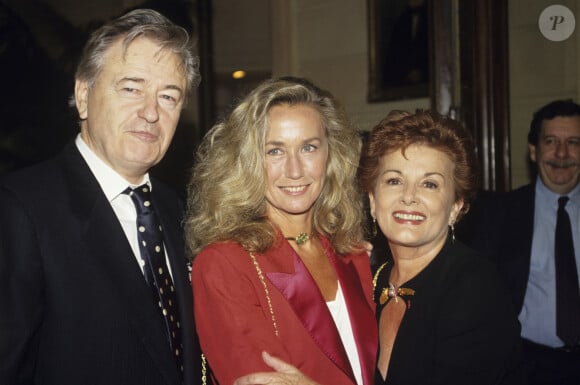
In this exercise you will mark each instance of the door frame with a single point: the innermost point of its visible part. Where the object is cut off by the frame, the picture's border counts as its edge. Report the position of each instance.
(471, 79)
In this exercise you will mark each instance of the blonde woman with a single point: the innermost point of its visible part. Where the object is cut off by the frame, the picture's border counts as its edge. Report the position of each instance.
(275, 220)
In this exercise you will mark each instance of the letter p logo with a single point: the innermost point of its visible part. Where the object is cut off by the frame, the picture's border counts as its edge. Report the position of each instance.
(556, 23)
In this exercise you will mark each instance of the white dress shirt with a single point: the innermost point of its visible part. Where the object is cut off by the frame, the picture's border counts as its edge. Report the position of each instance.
(341, 318)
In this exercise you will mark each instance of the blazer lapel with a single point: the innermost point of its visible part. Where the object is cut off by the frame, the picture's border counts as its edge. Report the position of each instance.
(303, 295)
(358, 303)
(174, 243)
(516, 249)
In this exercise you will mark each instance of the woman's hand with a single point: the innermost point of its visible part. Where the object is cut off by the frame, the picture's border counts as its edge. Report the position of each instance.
(285, 374)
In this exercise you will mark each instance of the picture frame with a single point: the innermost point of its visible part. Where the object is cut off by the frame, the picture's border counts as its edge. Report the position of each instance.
(399, 59)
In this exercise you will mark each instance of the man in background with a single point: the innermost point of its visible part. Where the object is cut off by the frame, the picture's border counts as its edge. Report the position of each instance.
(523, 231)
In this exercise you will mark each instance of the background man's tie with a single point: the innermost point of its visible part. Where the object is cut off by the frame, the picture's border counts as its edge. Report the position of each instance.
(567, 292)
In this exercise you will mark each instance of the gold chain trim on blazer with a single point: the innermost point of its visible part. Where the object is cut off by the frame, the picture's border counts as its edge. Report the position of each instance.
(261, 277)
(203, 370)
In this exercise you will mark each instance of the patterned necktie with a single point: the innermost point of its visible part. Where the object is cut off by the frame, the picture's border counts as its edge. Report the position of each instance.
(149, 233)
(567, 292)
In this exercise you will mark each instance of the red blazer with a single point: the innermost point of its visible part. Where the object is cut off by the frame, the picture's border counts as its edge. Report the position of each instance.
(234, 317)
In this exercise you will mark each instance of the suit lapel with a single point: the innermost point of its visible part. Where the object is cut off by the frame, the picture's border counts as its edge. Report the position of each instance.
(358, 302)
(112, 255)
(170, 219)
(516, 245)
(303, 295)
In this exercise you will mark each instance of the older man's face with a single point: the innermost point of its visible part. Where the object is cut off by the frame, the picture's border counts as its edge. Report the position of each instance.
(130, 114)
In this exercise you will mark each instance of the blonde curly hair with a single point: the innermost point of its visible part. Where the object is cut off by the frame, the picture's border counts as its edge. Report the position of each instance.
(226, 192)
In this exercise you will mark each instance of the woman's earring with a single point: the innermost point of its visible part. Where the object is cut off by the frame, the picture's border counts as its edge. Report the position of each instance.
(452, 233)
(374, 229)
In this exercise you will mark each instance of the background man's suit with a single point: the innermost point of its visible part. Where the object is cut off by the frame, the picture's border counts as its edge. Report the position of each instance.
(509, 245)
(502, 227)
(72, 288)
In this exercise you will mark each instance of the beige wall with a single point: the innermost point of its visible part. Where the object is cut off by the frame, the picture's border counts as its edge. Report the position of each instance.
(326, 41)
(540, 71)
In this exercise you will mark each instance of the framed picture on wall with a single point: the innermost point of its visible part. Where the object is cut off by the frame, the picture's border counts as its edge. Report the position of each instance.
(399, 56)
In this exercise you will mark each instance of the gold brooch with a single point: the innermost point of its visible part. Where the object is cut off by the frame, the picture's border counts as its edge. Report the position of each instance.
(392, 292)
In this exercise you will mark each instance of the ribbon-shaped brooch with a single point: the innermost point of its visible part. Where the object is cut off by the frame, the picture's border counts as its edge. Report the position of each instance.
(392, 292)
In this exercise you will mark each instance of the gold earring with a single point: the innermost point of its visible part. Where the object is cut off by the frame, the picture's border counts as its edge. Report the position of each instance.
(374, 229)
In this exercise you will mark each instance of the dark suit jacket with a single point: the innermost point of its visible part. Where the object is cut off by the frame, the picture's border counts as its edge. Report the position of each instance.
(74, 306)
(459, 326)
(501, 227)
(240, 325)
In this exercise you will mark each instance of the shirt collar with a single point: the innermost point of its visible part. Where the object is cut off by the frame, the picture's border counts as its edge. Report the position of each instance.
(110, 181)
(546, 193)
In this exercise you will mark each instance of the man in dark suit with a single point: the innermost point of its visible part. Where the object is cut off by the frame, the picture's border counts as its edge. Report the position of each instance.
(83, 298)
(517, 229)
